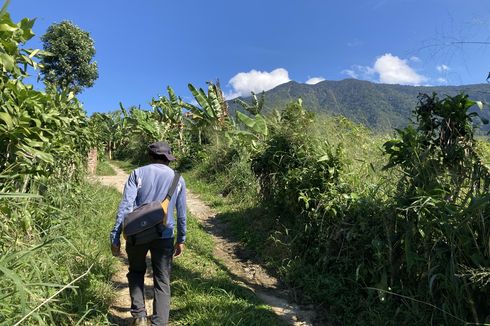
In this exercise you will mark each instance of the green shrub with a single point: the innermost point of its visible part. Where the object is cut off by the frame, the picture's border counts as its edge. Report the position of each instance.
(36, 264)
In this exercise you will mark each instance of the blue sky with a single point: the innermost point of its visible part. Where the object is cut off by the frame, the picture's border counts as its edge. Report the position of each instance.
(252, 45)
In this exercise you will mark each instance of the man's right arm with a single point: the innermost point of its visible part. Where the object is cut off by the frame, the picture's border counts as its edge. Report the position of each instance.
(125, 207)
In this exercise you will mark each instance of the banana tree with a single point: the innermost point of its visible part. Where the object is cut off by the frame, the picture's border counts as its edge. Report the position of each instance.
(108, 130)
(250, 131)
(143, 122)
(211, 111)
(257, 103)
(168, 110)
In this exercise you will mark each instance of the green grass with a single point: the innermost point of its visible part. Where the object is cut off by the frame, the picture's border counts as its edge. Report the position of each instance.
(204, 293)
(104, 168)
(76, 241)
(245, 219)
(124, 165)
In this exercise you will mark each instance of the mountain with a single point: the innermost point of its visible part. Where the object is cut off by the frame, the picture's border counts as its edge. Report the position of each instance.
(378, 106)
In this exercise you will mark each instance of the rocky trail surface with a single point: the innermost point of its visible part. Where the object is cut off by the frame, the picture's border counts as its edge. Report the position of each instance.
(244, 271)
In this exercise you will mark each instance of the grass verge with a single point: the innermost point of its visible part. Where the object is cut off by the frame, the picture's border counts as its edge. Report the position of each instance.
(126, 166)
(104, 169)
(204, 293)
(75, 243)
(244, 218)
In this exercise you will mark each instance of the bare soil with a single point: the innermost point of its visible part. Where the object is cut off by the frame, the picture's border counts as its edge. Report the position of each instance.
(245, 272)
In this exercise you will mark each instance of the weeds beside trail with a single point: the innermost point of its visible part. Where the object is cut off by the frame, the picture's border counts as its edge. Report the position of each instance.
(34, 269)
(104, 168)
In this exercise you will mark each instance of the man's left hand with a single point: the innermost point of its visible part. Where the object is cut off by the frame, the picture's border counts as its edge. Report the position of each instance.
(116, 250)
(179, 248)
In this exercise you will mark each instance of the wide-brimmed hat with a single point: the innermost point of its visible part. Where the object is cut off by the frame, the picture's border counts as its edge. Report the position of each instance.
(161, 148)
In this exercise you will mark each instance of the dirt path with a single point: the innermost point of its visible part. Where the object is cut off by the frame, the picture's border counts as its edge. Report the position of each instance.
(119, 311)
(249, 274)
(245, 272)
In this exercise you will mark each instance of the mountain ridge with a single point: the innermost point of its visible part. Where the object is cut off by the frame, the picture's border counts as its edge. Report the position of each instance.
(378, 106)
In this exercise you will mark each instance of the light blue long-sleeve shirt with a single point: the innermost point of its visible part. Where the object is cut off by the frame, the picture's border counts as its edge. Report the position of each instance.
(150, 183)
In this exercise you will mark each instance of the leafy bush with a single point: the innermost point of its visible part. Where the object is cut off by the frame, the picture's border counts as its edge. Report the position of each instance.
(440, 231)
(371, 246)
(50, 221)
(42, 134)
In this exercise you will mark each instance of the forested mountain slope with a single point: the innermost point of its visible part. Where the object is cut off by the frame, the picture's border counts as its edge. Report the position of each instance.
(379, 106)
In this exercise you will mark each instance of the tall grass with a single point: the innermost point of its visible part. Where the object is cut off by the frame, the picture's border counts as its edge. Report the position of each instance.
(35, 266)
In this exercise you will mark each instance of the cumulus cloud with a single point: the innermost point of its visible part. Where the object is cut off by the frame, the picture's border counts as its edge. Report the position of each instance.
(442, 68)
(256, 81)
(388, 69)
(314, 80)
(393, 70)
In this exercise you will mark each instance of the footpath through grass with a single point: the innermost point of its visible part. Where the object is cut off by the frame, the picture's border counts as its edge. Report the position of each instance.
(104, 168)
(203, 291)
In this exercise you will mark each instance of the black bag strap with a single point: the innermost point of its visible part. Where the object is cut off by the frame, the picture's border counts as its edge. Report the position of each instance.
(174, 185)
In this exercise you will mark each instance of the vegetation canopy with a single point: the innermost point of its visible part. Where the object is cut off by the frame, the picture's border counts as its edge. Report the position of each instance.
(69, 63)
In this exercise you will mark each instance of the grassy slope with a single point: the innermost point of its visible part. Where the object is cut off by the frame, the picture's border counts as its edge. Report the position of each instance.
(254, 227)
(203, 291)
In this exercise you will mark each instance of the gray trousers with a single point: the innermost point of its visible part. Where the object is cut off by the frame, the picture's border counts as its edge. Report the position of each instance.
(161, 261)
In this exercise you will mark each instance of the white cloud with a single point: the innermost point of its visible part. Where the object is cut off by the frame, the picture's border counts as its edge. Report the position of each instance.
(256, 81)
(314, 80)
(389, 69)
(442, 80)
(415, 59)
(360, 72)
(442, 68)
(230, 95)
(351, 73)
(393, 70)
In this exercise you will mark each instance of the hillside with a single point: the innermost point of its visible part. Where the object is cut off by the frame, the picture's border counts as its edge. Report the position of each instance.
(379, 106)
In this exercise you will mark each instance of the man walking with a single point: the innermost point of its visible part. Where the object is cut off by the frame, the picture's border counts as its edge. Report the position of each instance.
(146, 184)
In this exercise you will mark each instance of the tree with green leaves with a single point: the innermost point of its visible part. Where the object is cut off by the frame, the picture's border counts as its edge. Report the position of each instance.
(211, 111)
(69, 64)
(168, 110)
(256, 106)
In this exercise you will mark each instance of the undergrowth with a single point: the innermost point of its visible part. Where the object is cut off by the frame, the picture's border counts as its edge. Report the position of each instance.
(71, 243)
(367, 243)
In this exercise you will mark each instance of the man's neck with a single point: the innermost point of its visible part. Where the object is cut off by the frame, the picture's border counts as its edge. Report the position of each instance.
(160, 162)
